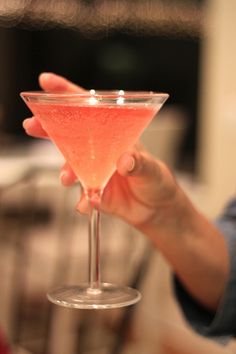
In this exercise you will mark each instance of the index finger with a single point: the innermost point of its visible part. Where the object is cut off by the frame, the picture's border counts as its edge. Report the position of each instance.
(54, 83)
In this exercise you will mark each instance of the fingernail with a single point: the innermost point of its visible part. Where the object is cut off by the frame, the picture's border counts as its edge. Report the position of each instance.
(26, 123)
(44, 75)
(130, 164)
(82, 206)
(63, 177)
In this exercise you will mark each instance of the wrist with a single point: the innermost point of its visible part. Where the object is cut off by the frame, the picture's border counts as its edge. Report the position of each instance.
(173, 218)
(194, 248)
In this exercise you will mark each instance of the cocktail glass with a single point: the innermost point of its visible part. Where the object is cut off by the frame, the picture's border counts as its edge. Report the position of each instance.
(92, 130)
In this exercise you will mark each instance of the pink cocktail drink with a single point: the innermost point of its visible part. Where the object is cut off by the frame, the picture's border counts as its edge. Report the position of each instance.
(91, 137)
(92, 130)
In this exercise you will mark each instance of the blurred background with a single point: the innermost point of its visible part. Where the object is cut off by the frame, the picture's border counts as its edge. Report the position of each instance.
(183, 47)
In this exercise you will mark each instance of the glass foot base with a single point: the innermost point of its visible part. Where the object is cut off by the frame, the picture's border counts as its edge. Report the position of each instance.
(83, 297)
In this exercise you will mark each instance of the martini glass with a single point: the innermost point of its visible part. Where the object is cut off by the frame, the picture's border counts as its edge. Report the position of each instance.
(92, 129)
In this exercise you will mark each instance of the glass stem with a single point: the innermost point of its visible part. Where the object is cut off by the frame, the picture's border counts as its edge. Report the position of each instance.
(94, 198)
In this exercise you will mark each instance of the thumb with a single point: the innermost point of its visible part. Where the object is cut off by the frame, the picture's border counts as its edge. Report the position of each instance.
(139, 164)
(148, 177)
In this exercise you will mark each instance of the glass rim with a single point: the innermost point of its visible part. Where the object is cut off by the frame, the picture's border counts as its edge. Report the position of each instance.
(98, 94)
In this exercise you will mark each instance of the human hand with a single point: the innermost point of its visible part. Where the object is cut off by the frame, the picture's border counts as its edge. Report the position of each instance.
(144, 192)
(140, 186)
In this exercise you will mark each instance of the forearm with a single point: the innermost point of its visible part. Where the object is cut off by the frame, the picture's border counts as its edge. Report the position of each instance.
(193, 246)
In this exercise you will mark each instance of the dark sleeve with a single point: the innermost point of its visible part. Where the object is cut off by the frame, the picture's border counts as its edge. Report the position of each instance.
(223, 322)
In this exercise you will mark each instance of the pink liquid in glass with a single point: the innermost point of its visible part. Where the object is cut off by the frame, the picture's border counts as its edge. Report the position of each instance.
(93, 137)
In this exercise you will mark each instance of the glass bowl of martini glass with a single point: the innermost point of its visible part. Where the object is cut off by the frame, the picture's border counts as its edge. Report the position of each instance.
(92, 129)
